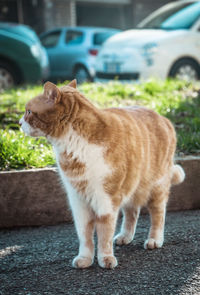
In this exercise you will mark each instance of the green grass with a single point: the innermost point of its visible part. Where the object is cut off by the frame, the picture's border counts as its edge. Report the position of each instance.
(20, 151)
(177, 100)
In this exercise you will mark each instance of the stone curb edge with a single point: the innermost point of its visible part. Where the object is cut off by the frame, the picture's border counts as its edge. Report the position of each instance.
(36, 197)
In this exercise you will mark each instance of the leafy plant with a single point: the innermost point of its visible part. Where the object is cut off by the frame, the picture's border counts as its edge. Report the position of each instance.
(20, 151)
(177, 100)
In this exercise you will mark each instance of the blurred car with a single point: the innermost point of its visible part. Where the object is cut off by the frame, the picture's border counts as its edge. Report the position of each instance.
(22, 58)
(72, 51)
(165, 44)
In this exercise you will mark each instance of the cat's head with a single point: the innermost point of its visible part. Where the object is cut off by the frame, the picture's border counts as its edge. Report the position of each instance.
(45, 113)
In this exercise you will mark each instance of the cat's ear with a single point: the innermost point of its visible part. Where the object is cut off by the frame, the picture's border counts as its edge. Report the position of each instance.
(52, 92)
(73, 83)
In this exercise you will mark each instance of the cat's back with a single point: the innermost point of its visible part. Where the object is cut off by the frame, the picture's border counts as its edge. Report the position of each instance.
(141, 148)
(144, 138)
(141, 119)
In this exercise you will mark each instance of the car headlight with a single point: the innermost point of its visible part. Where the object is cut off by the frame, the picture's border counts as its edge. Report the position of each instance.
(44, 57)
(35, 50)
(148, 52)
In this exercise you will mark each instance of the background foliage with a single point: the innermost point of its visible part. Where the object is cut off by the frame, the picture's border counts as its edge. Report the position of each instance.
(177, 100)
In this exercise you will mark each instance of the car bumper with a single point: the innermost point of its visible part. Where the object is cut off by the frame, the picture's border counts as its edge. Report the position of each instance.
(117, 76)
(135, 67)
(45, 72)
(35, 69)
(34, 72)
(140, 75)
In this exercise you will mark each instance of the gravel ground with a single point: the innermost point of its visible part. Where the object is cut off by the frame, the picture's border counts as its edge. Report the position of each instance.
(37, 260)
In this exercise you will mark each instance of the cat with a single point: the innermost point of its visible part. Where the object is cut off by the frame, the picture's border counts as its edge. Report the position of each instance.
(109, 160)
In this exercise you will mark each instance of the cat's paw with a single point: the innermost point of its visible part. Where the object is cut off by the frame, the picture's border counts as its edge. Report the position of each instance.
(82, 262)
(152, 244)
(107, 262)
(121, 239)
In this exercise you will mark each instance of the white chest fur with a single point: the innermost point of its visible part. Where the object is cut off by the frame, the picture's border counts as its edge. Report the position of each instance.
(95, 171)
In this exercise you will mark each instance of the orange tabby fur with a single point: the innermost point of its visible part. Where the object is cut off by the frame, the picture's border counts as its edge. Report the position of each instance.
(130, 153)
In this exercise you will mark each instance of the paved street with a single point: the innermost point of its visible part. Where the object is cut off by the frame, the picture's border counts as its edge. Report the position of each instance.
(37, 260)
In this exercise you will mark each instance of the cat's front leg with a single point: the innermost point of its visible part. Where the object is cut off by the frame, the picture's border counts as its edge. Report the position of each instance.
(105, 226)
(84, 222)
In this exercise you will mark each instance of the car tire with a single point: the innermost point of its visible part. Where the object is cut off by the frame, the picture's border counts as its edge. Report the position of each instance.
(8, 76)
(81, 74)
(185, 69)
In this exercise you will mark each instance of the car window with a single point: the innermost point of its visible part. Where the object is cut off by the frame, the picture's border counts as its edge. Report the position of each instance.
(99, 38)
(74, 37)
(51, 40)
(182, 16)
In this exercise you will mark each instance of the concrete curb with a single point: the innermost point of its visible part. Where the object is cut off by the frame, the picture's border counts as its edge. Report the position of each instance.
(36, 197)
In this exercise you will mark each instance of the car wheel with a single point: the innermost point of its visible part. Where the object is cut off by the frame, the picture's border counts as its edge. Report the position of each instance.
(7, 76)
(81, 75)
(185, 69)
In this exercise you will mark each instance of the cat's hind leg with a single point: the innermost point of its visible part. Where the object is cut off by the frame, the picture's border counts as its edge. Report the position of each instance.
(129, 223)
(157, 209)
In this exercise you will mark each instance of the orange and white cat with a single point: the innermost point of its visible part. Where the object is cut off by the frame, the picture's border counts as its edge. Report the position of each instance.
(108, 159)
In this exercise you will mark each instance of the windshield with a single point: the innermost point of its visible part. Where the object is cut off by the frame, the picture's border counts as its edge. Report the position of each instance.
(173, 17)
(99, 38)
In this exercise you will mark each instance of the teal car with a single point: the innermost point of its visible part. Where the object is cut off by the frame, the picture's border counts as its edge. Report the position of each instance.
(72, 51)
(22, 57)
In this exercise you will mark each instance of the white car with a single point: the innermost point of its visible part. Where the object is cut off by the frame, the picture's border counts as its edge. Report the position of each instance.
(165, 44)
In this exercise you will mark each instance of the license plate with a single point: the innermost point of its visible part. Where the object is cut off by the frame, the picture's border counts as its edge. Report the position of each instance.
(112, 67)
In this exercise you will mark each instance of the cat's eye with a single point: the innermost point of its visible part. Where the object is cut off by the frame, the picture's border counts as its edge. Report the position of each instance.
(29, 112)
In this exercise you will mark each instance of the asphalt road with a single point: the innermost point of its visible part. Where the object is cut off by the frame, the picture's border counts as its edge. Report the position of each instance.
(36, 261)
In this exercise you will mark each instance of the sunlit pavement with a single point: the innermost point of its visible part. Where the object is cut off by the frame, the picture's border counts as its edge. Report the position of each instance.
(37, 260)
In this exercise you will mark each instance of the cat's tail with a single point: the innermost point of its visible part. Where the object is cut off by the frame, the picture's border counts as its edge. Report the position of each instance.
(178, 175)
